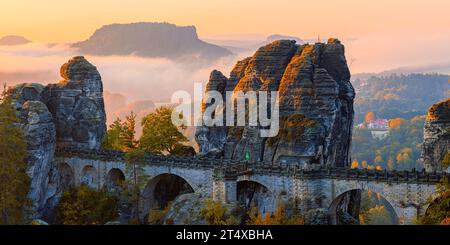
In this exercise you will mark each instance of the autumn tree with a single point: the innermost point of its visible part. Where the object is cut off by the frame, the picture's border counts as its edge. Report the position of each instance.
(396, 122)
(128, 133)
(403, 156)
(13, 178)
(159, 134)
(215, 213)
(279, 217)
(86, 206)
(370, 117)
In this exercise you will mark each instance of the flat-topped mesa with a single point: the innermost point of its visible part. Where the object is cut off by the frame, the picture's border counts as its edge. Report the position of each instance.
(315, 99)
(436, 137)
(77, 105)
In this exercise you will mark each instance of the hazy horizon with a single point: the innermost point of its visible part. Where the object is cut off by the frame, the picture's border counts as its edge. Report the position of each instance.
(379, 35)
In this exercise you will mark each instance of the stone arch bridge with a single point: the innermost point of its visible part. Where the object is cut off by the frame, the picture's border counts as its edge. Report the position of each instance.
(405, 192)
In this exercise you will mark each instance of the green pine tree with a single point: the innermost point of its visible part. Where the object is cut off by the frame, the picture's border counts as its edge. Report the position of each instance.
(112, 140)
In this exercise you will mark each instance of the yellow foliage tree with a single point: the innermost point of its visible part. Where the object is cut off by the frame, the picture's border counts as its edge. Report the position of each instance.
(403, 155)
(216, 214)
(279, 217)
(396, 122)
(370, 117)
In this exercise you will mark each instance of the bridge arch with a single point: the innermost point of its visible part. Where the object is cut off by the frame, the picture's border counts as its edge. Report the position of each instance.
(66, 176)
(114, 180)
(89, 176)
(254, 194)
(164, 188)
(349, 203)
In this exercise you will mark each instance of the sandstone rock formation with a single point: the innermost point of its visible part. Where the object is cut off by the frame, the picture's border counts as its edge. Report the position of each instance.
(436, 136)
(315, 99)
(40, 134)
(70, 113)
(77, 105)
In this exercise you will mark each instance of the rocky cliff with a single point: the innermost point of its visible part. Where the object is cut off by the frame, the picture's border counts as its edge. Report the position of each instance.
(315, 99)
(436, 136)
(69, 113)
(40, 134)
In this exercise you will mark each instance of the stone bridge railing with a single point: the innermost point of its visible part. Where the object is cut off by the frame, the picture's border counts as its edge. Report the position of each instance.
(233, 169)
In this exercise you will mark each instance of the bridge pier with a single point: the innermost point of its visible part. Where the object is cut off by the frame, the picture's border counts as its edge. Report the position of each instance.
(224, 187)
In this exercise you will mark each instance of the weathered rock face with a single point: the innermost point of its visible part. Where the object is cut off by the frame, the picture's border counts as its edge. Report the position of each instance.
(70, 113)
(436, 136)
(315, 99)
(77, 105)
(212, 139)
(40, 134)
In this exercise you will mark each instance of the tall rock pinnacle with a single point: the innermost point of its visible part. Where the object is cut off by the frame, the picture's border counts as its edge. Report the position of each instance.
(316, 106)
(77, 105)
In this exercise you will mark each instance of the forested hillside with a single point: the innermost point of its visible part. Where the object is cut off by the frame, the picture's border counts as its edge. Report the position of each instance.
(404, 96)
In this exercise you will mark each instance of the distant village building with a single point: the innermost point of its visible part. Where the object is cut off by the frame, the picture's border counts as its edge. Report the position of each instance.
(380, 123)
(379, 128)
(379, 134)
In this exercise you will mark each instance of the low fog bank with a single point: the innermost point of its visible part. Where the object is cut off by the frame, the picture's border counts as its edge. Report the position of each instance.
(139, 84)
(130, 83)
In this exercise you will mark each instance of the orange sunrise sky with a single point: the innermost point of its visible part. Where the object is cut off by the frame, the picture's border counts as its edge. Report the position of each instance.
(378, 35)
(56, 21)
